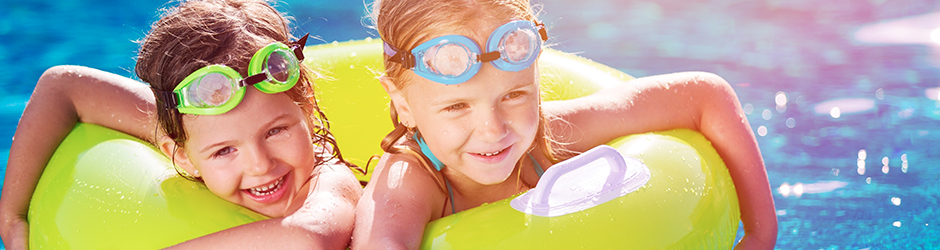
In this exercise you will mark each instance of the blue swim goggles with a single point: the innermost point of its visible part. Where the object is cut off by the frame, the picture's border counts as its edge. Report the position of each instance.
(453, 59)
(216, 89)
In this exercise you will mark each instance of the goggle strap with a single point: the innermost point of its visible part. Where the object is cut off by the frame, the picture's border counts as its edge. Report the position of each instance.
(488, 56)
(542, 32)
(406, 60)
(252, 80)
(298, 47)
(168, 98)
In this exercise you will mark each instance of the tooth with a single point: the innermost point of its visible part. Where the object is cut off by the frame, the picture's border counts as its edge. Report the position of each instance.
(261, 191)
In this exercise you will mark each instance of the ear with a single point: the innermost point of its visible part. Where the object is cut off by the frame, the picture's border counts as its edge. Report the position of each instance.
(398, 99)
(177, 154)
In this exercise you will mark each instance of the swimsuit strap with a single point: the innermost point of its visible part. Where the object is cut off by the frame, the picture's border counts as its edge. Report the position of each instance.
(450, 193)
(535, 164)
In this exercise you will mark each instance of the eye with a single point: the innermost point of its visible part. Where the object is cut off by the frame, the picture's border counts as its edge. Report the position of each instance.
(456, 107)
(275, 131)
(514, 95)
(223, 152)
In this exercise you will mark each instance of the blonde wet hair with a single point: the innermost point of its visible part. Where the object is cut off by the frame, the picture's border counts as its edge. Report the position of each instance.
(404, 24)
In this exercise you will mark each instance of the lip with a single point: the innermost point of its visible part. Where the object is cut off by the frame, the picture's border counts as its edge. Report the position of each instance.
(279, 192)
(491, 159)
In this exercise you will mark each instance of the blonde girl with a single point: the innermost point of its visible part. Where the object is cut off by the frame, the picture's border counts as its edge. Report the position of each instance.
(470, 127)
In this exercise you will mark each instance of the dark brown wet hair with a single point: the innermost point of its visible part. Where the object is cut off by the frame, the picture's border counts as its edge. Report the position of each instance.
(228, 32)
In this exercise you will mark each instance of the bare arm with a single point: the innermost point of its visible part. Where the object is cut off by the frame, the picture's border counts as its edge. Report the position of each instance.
(63, 96)
(694, 100)
(396, 205)
(324, 222)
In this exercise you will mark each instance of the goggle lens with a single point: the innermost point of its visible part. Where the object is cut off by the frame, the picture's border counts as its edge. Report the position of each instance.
(449, 59)
(517, 46)
(277, 66)
(213, 89)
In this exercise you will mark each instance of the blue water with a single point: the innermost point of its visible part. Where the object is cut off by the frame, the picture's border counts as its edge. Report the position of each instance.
(846, 113)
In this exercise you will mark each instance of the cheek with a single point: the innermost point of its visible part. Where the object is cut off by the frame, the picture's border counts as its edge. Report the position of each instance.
(300, 153)
(445, 134)
(526, 119)
(221, 180)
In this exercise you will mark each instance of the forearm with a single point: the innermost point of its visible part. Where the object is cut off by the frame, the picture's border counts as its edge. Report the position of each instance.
(63, 96)
(373, 230)
(46, 120)
(724, 124)
(325, 221)
(266, 234)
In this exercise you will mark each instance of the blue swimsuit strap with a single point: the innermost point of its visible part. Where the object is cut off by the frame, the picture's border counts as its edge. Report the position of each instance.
(535, 164)
(450, 190)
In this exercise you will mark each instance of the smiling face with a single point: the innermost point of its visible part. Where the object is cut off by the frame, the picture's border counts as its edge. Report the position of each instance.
(258, 155)
(479, 128)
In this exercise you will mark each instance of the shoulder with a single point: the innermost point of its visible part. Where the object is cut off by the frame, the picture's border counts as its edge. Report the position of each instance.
(403, 172)
(399, 200)
(403, 181)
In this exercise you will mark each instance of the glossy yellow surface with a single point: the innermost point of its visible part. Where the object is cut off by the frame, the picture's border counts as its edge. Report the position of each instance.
(688, 203)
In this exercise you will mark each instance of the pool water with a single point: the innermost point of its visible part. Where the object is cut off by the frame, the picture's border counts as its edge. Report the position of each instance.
(842, 95)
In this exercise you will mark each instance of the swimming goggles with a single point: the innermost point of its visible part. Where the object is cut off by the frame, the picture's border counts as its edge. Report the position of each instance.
(216, 89)
(453, 59)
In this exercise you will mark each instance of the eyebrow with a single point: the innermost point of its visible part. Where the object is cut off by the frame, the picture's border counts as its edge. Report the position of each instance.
(207, 148)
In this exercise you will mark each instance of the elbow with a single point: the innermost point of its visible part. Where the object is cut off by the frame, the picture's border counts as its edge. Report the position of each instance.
(56, 73)
(53, 80)
(716, 85)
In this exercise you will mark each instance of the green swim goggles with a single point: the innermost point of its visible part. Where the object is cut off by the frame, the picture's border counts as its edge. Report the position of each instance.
(216, 89)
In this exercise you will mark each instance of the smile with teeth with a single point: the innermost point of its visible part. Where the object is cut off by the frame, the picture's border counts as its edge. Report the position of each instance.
(267, 190)
(491, 154)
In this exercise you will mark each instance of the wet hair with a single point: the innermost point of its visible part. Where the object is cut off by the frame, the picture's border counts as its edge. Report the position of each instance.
(404, 24)
(204, 32)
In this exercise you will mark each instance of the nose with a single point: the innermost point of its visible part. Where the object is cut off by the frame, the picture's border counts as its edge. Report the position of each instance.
(261, 162)
(492, 125)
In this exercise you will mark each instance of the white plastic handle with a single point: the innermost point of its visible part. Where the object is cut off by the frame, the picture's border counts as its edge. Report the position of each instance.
(618, 167)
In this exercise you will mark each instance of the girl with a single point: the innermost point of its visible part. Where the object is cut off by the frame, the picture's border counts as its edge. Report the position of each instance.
(471, 128)
(231, 106)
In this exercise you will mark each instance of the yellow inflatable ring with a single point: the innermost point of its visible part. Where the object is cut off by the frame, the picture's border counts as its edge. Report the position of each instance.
(106, 190)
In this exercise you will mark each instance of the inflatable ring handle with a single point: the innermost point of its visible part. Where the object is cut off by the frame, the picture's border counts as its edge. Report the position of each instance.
(618, 167)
